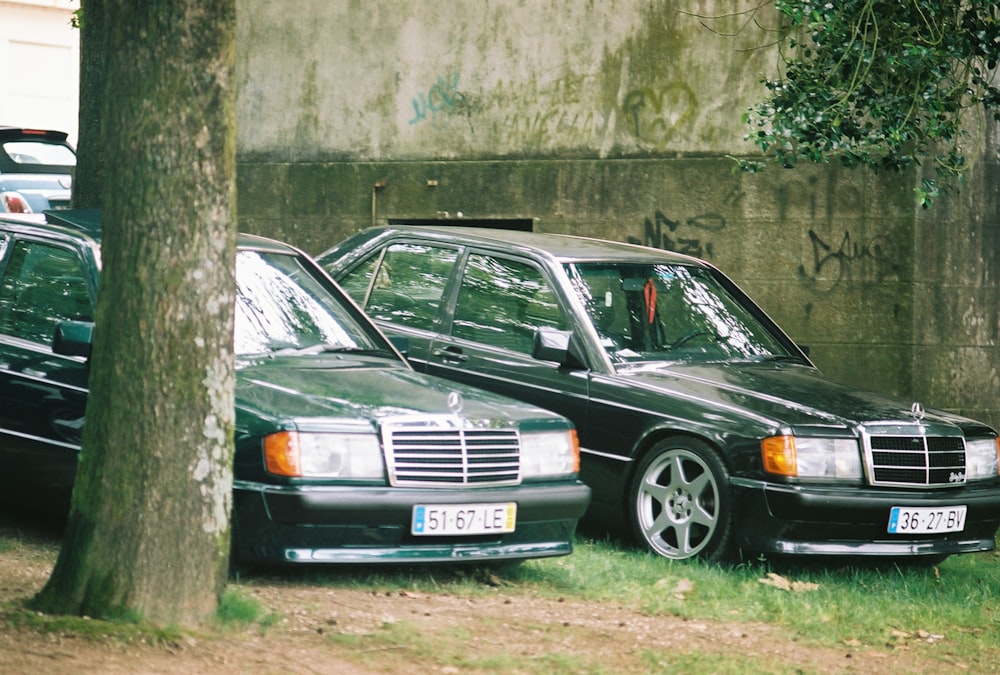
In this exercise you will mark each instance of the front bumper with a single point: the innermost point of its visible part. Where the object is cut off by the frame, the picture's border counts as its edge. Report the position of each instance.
(853, 521)
(337, 524)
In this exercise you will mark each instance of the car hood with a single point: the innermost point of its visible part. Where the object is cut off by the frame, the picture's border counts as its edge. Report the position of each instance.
(782, 395)
(323, 390)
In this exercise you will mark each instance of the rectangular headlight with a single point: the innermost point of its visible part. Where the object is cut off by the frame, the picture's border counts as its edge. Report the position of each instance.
(549, 454)
(323, 455)
(982, 458)
(804, 457)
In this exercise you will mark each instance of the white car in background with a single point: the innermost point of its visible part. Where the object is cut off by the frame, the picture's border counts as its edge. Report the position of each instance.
(36, 170)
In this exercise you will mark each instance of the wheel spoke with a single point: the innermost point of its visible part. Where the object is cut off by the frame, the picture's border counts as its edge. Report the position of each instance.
(656, 491)
(700, 485)
(703, 517)
(659, 526)
(684, 538)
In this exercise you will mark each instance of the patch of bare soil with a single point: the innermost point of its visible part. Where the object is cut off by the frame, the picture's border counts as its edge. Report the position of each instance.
(319, 628)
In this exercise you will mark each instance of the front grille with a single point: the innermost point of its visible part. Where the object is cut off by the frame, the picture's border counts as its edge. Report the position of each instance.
(916, 460)
(450, 451)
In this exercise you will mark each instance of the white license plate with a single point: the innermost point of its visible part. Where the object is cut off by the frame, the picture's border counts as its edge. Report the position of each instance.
(926, 519)
(449, 519)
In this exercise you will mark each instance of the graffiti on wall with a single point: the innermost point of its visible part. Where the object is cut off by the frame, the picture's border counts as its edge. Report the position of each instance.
(528, 116)
(687, 235)
(833, 261)
(652, 114)
(534, 115)
(443, 97)
(562, 112)
(549, 128)
(826, 263)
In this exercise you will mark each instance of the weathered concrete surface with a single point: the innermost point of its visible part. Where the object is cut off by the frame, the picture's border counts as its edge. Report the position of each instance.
(956, 291)
(613, 120)
(433, 80)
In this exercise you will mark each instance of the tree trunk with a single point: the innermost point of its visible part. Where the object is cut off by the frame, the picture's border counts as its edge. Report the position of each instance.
(148, 532)
(88, 180)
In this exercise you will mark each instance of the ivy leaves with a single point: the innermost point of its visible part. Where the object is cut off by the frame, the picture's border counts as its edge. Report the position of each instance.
(880, 83)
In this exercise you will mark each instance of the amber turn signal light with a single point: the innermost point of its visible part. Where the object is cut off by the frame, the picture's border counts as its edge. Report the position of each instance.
(281, 454)
(779, 456)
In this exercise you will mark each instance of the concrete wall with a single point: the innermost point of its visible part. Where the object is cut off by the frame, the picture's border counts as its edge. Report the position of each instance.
(956, 289)
(446, 80)
(612, 119)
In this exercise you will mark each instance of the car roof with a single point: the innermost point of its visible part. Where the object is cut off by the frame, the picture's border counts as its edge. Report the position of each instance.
(86, 223)
(562, 247)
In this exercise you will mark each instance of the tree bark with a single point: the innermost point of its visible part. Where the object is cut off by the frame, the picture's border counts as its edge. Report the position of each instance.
(88, 180)
(148, 532)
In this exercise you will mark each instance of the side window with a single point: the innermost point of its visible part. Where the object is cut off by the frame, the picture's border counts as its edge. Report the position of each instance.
(41, 286)
(501, 303)
(356, 283)
(408, 285)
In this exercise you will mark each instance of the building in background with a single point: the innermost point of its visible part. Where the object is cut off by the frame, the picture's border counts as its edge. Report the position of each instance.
(40, 62)
(617, 119)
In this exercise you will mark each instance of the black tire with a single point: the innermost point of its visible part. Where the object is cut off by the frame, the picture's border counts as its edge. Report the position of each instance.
(680, 501)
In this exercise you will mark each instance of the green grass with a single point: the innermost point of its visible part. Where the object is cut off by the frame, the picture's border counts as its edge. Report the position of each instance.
(829, 604)
(238, 610)
(405, 646)
(950, 612)
(954, 606)
(124, 632)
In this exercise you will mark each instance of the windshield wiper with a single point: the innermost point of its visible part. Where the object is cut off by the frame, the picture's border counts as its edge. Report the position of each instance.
(320, 348)
(777, 358)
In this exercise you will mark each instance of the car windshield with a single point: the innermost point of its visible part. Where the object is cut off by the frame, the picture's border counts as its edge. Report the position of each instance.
(38, 152)
(669, 312)
(281, 306)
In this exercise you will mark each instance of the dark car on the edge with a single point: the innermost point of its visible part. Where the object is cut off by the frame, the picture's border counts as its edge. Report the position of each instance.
(704, 429)
(36, 170)
(343, 453)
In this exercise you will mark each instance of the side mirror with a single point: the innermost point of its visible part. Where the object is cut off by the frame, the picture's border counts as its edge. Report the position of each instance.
(73, 338)
(560, 346)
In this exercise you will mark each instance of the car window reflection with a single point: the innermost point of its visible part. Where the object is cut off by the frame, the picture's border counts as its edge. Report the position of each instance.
(668, 312)
(281, 306)
(409, 283)
(42, 285)
(502, 302)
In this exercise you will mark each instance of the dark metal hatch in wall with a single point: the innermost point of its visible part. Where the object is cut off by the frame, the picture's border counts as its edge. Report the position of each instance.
(517, 224)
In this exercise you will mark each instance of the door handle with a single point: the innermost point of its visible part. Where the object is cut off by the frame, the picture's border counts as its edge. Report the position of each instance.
(450, 354)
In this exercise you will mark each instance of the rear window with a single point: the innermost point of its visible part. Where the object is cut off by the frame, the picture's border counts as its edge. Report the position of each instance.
(39, 153)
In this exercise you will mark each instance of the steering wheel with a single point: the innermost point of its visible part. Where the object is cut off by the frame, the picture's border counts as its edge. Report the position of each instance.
(690, 335)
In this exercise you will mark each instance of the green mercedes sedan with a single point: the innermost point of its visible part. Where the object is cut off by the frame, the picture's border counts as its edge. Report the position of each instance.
(704, 429)
(343, 453)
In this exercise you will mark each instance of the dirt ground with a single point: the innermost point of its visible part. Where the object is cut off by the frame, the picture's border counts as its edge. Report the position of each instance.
(319, 629)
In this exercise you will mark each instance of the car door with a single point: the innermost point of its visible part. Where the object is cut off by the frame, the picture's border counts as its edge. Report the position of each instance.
(402, 287)
(42, 394)
(496, 306)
